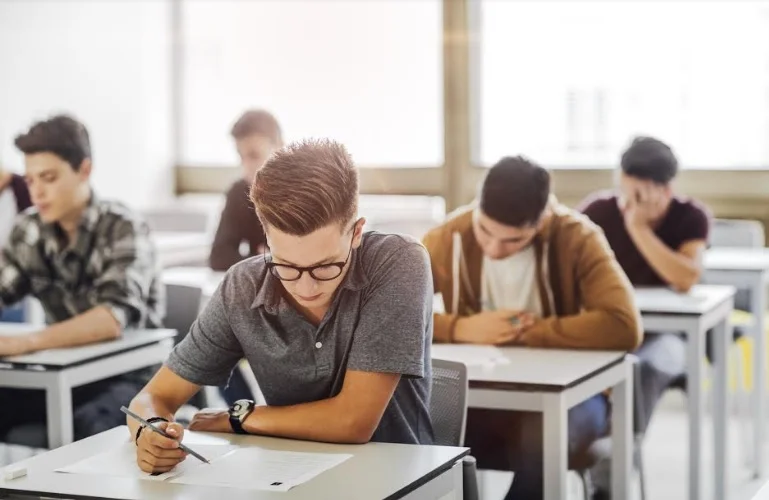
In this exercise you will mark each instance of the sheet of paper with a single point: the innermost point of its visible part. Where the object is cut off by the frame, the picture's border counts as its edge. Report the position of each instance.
(122, 462)
(471, 355)
(256, 468)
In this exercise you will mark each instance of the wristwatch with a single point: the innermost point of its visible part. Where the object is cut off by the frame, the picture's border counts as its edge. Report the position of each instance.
(238, 414)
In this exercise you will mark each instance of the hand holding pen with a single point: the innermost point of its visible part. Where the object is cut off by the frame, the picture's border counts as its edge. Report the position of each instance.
(159, 448)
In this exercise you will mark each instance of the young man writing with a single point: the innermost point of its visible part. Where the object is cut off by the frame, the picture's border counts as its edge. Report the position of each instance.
(256, 134)
(658, 239)
(517, 268)
(336, 323)
(91, 264)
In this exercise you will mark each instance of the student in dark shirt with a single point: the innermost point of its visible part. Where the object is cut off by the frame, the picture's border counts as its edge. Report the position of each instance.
(658, 238)
(257, 134)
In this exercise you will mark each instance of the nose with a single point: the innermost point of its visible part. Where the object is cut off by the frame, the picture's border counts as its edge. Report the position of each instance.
(494, 250)
(306, 285)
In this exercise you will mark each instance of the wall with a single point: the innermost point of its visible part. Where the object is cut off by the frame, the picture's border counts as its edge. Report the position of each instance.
(108, 63)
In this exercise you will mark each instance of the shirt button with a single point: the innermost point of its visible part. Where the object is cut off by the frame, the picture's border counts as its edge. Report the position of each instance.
(318, 345)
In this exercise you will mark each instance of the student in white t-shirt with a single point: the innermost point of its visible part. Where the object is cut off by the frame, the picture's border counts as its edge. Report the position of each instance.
(518, 268)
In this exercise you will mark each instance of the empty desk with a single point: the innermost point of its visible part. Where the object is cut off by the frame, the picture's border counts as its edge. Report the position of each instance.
(694, 313)
(375, 471)
(58, 371)
(551, 381)
(180, 248)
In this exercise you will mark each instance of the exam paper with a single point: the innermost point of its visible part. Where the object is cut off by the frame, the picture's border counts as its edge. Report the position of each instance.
(121, 462)
(470, 354)
(260, 469)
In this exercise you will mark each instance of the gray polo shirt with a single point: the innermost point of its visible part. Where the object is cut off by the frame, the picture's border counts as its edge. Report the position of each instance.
(380, 320)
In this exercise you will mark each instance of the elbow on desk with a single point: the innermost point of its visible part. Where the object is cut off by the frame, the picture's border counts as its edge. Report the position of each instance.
(628, 331)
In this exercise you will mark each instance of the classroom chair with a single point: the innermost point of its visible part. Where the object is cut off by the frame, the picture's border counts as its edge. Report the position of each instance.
(601, 449)
(182, 307)
(448, 412)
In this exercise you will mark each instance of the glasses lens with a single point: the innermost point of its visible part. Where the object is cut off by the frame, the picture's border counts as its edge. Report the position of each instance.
(285, 273)
(326, 273)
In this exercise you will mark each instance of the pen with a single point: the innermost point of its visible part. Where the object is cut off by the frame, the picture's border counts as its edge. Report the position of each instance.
(146, 424)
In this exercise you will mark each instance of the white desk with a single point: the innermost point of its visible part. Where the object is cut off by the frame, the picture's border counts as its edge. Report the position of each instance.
(180, 248)
(748, 268)
(58, 371)
(551, 381)
(202, 277)
(703, 308)
(376, 471)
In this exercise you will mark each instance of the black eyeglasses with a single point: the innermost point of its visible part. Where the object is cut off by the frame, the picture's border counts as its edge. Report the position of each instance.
(322, 272)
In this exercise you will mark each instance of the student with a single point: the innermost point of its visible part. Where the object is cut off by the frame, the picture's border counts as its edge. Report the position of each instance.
(257, 134)
(14, 199)
(518, 268)
(658, 238)
(336, 323)
(90, 263)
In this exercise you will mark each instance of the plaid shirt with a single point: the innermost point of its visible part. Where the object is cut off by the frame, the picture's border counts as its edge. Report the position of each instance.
(113, 264)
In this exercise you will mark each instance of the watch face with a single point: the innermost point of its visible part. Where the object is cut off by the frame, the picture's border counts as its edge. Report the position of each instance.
(241, 407)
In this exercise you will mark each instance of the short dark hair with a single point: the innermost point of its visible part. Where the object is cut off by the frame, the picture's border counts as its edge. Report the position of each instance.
(649, 159)
(257, 121)
(305, 186)
(61, 135)
(515, 191)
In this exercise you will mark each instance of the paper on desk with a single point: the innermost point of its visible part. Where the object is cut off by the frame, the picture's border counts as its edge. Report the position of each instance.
(122, 462)
(260, 469)
(471, 355)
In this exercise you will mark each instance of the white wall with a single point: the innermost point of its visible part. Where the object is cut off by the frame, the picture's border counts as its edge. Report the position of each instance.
(107, 63)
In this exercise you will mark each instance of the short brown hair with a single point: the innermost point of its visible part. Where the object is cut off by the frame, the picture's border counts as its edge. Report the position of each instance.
(515, 192)
(60, 135)
(306, 186)
(260, 122)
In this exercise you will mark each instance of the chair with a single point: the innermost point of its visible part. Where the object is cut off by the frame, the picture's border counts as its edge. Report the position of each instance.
(448, 412)
(601, 449)
(182, 307)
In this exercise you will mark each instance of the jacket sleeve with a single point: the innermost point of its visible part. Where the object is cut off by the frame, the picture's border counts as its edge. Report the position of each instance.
(609, 318)
(439, 248)
(225, 250)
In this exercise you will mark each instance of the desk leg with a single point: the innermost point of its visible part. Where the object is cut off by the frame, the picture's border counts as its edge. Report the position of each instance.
(58, 399)
(722, 338)
(696, 351)
(555, 447)
(621, 434)
(758, 308)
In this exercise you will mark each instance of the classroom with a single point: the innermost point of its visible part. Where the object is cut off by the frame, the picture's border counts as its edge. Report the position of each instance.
(384, 249)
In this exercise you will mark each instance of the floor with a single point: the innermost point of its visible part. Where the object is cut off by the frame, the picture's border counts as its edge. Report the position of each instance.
(666, 459)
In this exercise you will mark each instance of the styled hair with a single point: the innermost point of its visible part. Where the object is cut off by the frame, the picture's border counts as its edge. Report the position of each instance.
(515, 192)
(305, 186)
(257, 122)
(649, 159)
(60, 135)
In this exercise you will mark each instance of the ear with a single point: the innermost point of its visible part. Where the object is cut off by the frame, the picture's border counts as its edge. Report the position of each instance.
(357, 236)
(85, 169)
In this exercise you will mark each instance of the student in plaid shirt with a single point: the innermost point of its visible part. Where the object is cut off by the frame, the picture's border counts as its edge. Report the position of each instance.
(91, 264)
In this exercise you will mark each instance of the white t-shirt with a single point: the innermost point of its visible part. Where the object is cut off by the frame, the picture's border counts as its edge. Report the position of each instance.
(8, 214)
(511, 283)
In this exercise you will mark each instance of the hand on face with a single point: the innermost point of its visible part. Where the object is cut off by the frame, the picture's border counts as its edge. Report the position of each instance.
(644, 206)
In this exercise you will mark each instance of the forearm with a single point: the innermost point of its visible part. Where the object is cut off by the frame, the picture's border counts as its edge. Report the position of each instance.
(95, 325)
(679, 271)
(596, 329)
(327, 420)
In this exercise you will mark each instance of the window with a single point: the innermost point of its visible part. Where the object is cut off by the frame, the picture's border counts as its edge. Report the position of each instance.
(368, 74)
(569, 83)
